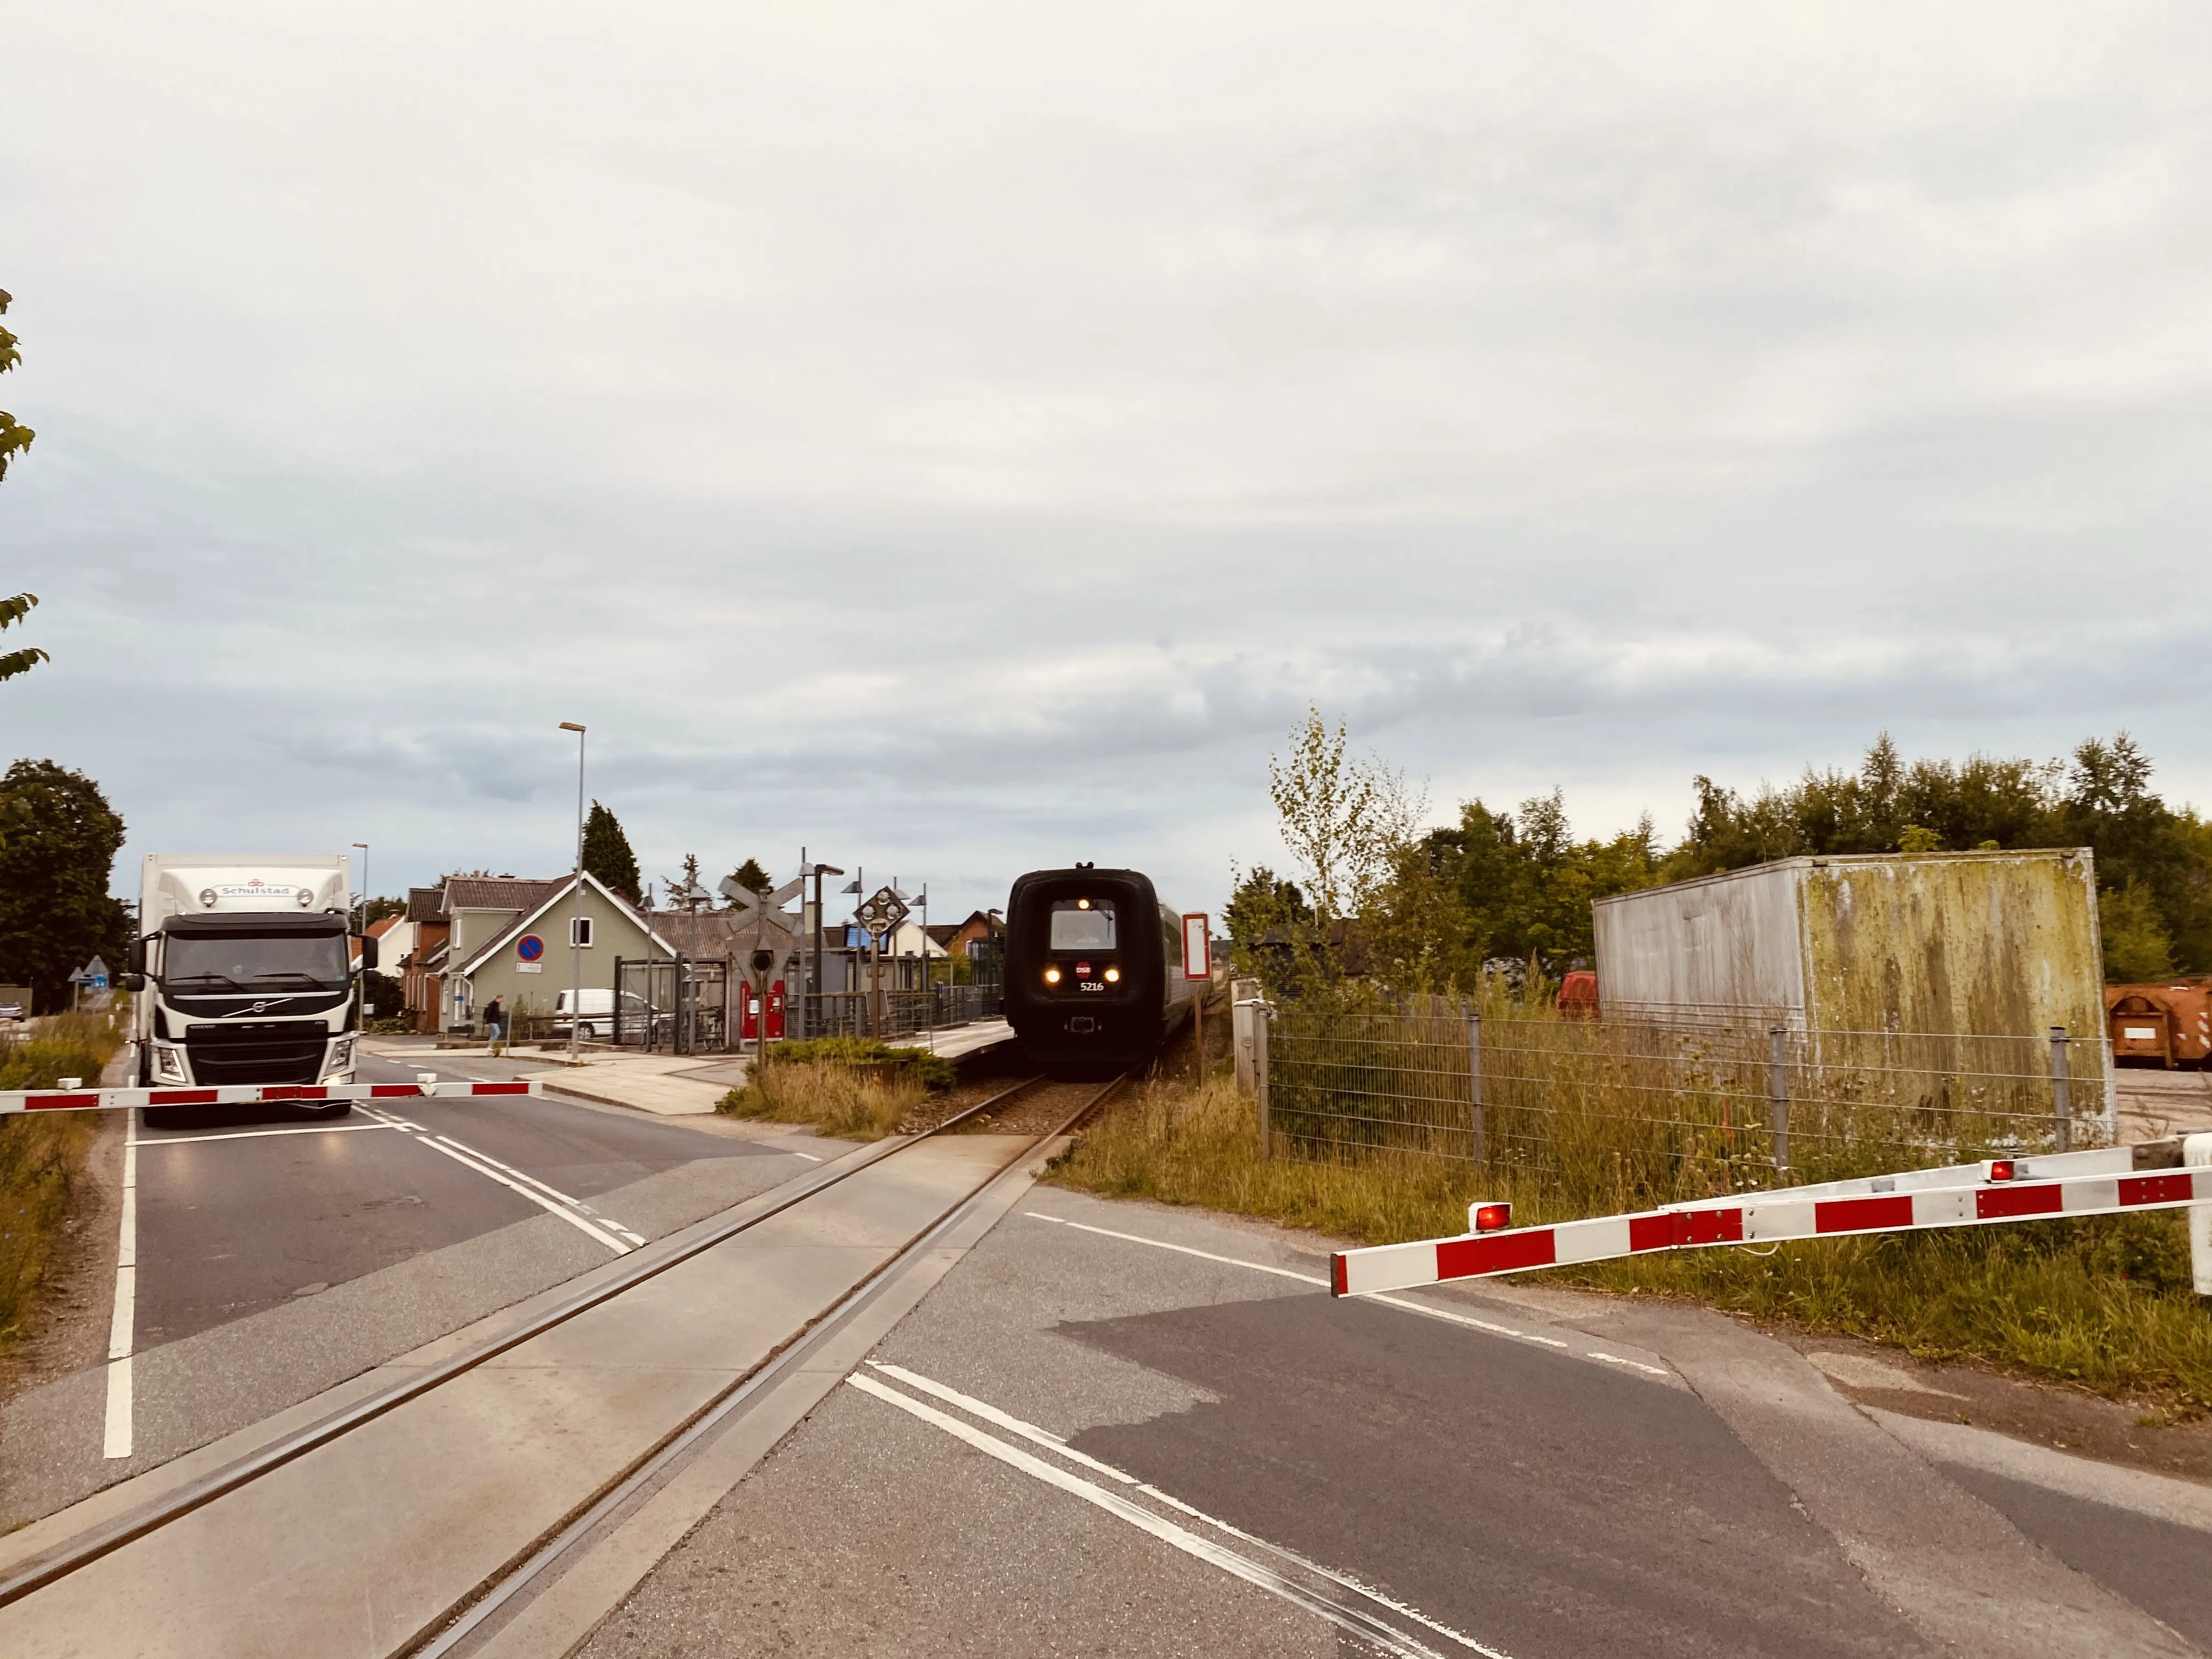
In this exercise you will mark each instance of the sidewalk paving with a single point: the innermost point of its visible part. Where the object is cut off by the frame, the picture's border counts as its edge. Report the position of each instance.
(666, 1085)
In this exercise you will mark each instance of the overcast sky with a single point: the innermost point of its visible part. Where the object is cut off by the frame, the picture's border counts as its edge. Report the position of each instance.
(965, 438)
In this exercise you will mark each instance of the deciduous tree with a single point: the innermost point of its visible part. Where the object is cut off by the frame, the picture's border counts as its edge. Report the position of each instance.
(59, 838)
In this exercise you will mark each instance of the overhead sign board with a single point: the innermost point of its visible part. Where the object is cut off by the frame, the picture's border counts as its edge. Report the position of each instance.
(1197, 947)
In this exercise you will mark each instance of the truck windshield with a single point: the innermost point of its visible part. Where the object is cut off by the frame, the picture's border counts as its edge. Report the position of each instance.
(250, 962)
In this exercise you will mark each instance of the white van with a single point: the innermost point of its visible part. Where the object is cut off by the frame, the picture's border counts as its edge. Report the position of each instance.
(599, 1015)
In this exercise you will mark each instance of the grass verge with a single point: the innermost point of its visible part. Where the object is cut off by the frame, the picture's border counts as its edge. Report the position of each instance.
(42, 1155)
(2104, 1302)
(850, 1088)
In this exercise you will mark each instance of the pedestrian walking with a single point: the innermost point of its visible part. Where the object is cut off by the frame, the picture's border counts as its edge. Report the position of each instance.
(496, 1021)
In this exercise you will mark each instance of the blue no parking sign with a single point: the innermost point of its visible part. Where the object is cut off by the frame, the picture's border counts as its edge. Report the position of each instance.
(529, 947)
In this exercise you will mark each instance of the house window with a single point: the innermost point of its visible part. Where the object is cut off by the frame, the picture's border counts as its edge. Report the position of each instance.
(579, 932)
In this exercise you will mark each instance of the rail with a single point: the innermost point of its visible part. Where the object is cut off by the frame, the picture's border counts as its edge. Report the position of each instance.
(105, 1539)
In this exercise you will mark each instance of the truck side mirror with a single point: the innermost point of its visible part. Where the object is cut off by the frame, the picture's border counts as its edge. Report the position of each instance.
(137, 963)
(134, 982)
(368, 953)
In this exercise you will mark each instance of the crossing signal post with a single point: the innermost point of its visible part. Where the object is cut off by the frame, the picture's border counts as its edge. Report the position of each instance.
(1198, 964)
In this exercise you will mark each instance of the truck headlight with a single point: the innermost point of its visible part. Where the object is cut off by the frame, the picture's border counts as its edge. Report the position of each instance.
(341, 1058)
(169, 1064)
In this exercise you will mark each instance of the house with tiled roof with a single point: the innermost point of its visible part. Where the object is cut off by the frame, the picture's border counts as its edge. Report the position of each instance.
(478, 937)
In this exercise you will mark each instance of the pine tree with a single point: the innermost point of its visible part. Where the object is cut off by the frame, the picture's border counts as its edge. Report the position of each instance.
(607, 853)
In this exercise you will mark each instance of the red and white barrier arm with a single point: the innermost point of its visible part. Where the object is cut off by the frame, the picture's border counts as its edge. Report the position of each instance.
(248, 1094)
(2001, 1192)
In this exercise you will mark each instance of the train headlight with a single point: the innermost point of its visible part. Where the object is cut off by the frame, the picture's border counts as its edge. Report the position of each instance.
(1113, 976)
(1083, 904)
(1052, 975)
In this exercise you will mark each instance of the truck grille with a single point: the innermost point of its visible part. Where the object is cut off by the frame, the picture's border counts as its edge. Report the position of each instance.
(268, 1051)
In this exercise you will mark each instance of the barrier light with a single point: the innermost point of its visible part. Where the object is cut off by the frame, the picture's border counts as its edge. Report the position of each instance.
(2002, 1169)
(1489, 1218)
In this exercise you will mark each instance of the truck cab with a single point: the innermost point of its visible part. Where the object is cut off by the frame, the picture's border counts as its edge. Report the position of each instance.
(243, 974)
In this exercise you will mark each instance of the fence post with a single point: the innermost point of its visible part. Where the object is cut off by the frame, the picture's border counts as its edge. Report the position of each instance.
(2197, 1150)
(1778, 1091)
(1243, 994)
(2061, 1101)
(1260, 1072)
(1475, 1086)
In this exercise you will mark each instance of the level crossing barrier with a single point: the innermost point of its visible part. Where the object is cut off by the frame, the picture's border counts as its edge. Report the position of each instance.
(2108, 1181)
(251, 1094)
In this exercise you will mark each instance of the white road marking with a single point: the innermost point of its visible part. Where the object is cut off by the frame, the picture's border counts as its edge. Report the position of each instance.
(1181, 1250)
(809, 1156)
(1363, 1625)
(1426, 1309)
(990, 1414)
(124, 1323)
(1427, 1312)
(576, 1204)
(559, 1203)
(1615, 1360)
(1045, 1436)
(252, 1134)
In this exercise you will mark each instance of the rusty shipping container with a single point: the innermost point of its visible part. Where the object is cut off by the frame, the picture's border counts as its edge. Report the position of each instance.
(2166, 1024)
(1995, 944)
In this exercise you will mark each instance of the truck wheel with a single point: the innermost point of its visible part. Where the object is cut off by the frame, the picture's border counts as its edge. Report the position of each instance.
(337, 1109)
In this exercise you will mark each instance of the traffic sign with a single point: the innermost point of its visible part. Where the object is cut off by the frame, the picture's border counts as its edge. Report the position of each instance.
(883, 912)
(1197, 947)
(529, 947)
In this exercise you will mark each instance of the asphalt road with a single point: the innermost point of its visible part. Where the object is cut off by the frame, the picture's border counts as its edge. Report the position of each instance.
(1603, 1480)
(278, 1253)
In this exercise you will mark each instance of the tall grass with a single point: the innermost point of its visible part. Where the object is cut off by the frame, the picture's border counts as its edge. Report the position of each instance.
(842, 1102)
(42, 1154)
(2104, 1302)
(1580, 1118)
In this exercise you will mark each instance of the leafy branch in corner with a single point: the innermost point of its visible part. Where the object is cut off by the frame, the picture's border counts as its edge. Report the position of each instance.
(14, 437)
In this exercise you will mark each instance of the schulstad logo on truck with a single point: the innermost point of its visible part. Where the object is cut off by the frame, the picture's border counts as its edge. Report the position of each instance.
(243, 972)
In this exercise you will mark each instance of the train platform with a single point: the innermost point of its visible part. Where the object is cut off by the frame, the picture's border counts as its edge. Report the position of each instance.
(953, 1041)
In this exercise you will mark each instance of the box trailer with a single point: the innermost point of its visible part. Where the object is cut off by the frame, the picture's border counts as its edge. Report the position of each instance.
(1996, 944)
(242, 972)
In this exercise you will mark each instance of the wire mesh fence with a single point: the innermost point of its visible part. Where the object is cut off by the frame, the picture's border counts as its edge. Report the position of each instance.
(1656, 1112)
(851, 1013)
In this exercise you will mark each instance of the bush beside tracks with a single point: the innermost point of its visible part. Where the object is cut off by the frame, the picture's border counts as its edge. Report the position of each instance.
(849, 1088)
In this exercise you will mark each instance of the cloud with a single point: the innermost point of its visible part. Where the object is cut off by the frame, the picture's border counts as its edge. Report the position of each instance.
(970, 441)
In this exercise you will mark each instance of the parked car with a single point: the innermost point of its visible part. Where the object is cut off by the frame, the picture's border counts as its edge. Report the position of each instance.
(597, 1023)
(12, 1011)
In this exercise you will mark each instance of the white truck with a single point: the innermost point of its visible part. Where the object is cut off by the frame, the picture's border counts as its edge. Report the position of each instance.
(240, 971)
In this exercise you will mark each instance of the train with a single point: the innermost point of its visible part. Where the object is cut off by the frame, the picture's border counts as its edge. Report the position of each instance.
(1094, 969)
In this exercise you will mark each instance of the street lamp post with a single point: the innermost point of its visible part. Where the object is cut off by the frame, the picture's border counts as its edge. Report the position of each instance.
(576, 916)
(814, 1016)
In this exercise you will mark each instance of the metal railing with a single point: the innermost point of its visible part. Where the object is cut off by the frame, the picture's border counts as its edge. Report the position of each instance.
(849, 1013)
(1667, 1111)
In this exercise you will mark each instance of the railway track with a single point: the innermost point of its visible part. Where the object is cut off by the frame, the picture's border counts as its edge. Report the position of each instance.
(1059, 1107)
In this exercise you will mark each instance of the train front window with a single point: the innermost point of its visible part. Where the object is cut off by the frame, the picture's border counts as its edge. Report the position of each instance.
(1082, 924)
